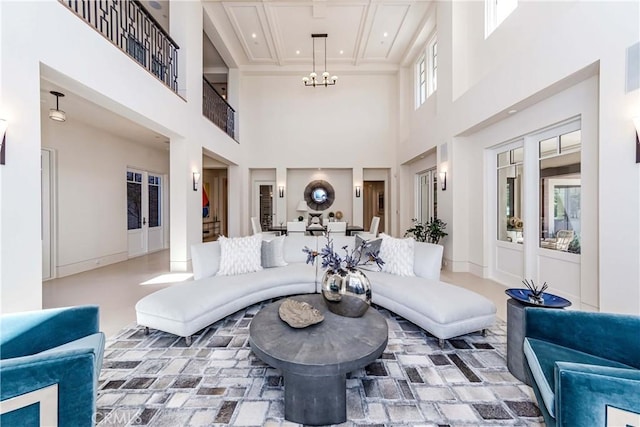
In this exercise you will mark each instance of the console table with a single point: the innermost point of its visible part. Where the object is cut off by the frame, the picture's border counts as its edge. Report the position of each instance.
(315, 360)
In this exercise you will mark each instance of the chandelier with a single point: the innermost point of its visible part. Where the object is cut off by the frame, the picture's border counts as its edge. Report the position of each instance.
(313, 80)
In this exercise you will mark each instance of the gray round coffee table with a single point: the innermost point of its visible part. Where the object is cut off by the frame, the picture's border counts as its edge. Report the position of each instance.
(315, 360)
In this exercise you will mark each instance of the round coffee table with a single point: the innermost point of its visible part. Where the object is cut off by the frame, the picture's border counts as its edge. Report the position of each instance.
(315, 360)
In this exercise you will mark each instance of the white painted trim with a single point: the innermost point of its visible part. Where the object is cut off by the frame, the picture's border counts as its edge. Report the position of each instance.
(46, 396)
(90, 264)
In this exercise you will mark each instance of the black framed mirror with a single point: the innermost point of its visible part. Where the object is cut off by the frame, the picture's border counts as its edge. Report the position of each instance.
(319, 195)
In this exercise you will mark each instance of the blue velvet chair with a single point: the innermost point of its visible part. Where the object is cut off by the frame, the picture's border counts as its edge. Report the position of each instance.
(50, 361)
(584, 367)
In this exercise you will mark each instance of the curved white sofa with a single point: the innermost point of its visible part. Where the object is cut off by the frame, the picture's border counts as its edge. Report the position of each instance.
(442, 309)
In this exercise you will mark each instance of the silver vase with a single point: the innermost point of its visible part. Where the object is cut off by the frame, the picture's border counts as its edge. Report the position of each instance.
(346, 292)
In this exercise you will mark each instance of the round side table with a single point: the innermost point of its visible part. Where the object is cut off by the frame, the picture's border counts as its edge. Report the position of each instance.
(516, 327)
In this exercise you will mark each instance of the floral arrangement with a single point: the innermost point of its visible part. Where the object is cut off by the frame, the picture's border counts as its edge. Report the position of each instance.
(515, 222)
(350, 261)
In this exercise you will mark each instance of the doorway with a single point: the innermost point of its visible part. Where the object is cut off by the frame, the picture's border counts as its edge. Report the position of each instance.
(374, 203)
(265, 203)
(426, 196)
(46, 181)
(144, 212)
(214, 203)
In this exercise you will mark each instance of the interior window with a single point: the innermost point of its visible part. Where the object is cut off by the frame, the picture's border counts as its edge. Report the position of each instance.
(560, 192)
(497, 11)
(510, 197)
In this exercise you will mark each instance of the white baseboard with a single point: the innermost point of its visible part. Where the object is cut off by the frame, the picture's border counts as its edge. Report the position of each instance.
(90, 264)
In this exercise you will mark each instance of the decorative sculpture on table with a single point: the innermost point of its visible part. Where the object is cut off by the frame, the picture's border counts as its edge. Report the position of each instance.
(536, 293)
(345, 288)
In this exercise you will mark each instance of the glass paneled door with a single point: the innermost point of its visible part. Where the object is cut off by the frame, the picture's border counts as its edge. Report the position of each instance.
(265, 203)
(144, 212)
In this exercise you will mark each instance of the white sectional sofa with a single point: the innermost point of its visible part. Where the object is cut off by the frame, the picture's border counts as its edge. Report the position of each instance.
(442, 309)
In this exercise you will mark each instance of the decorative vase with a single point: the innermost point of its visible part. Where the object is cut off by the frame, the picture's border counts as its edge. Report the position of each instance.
(346, 292)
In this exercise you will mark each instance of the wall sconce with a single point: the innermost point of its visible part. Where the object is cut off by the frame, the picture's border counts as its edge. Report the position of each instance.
(357, 191)
(196, 180)
(3, 131)
(636, 122)
(443, 180)
(281, 191)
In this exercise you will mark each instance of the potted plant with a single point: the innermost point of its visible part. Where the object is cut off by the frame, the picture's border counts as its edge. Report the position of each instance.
(431, 231)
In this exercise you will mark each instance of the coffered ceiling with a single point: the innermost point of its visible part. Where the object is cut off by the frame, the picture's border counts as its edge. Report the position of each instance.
(276, 34)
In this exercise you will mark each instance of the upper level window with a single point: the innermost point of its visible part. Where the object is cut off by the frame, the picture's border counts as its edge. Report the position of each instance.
(427, 72)
(496, 11)
(421, 80)
(433, 66)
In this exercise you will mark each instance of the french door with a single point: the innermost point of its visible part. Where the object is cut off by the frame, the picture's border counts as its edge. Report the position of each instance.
(427, 196)
(144, 212)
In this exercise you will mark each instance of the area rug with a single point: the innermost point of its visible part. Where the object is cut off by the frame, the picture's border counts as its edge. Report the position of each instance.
(157, 380)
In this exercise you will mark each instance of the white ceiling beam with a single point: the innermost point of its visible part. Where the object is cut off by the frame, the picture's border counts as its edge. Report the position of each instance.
(220, 42)
(423, 31)
(365, 28)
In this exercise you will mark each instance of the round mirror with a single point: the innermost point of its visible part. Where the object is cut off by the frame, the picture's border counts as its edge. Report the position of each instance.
(319, 195)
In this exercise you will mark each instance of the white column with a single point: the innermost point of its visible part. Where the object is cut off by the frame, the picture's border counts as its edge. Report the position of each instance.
(20, 217)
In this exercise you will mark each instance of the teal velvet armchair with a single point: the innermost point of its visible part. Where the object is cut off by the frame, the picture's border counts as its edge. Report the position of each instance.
(50, 361)
(584, 367)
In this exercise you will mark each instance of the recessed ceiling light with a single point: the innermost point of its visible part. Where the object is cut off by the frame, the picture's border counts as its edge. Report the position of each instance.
(512, 111)
(297, 52)
(253, 35)
(341, 52)
(385, 34)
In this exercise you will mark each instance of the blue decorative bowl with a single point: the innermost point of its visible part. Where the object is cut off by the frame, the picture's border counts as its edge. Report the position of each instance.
(525, 296)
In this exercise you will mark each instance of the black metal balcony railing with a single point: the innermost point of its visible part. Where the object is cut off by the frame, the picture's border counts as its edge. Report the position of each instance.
(130, 27)
(216, 109)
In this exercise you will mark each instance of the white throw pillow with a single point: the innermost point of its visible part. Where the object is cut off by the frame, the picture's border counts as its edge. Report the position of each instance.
(273, 253)
(239, 255)
(397, 255)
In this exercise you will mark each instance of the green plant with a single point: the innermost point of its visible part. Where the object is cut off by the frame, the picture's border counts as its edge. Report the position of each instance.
(431, 231)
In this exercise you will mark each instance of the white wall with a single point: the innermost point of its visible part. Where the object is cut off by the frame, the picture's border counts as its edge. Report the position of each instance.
(340, 179)
(579, 100)
(30, 48)
(348, 125)
(540, 50)
(92, 193)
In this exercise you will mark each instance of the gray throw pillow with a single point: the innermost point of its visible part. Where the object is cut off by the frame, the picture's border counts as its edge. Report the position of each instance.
(272, 253)
(371, 246)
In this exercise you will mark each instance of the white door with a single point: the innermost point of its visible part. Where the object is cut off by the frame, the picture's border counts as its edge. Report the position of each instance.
(427, 196)
(144, 212)
(46, 230)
